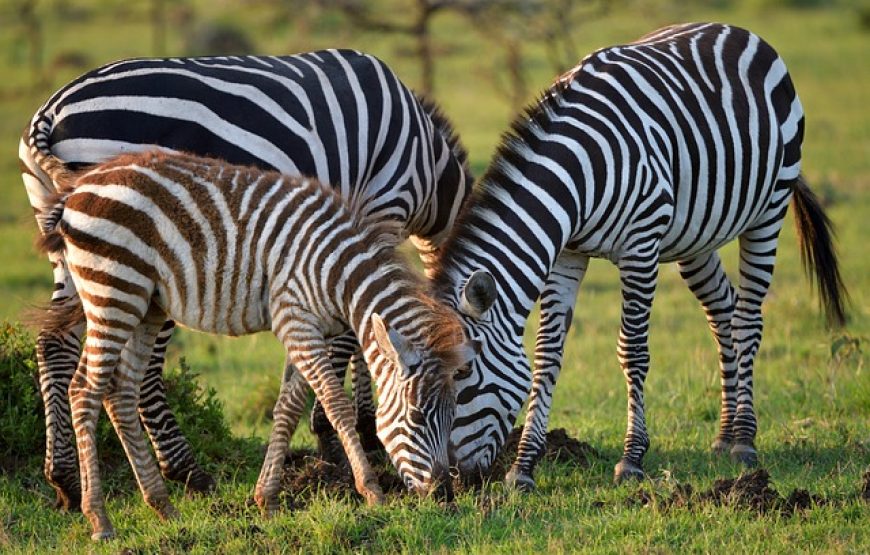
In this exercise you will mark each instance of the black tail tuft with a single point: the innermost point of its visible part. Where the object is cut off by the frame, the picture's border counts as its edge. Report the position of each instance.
(58, 317)
(815, 234)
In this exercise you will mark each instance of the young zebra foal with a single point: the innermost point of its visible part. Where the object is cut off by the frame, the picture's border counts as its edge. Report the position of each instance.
(234, 250)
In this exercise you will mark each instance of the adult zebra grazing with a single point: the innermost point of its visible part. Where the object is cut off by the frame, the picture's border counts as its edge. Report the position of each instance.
(338, 115)
(233, 250)
(662, 150)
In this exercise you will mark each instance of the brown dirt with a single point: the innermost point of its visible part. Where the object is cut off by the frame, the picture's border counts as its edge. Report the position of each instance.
(305, 474)
(561, 448)
(751, 491)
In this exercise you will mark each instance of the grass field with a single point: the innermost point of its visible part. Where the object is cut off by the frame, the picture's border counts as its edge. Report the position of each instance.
(812, 395)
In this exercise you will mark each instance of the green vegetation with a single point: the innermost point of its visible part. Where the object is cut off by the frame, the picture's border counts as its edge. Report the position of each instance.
(812, 387)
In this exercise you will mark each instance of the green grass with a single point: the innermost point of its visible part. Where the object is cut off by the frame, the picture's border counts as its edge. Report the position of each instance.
(814, 409)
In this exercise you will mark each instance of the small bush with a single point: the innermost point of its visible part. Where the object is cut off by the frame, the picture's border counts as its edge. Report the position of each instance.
(22, 427)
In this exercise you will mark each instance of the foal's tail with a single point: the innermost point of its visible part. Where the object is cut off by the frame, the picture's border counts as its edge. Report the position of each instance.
(815, 233)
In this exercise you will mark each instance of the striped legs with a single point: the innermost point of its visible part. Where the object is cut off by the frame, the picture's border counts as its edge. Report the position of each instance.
(342, 349)
(308, 351)
(288, 409)
(757, 256)
(111, 372)
(57, 356)
(638, 273)
(177, 462)
(557, 309)
(707, 280)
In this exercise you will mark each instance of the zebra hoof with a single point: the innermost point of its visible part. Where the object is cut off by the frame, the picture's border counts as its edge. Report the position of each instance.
(720, 447)
(519, 480)
(103, 535)
(744, 454)
(626, 470)
(199, 482)
(374, 496)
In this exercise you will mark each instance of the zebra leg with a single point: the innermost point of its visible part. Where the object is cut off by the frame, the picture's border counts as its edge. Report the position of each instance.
(707, 280)
(307, 350)
(57, 356)
(757, 255)
(174, 454)
(363, 402)
(328, 445)
(122, 405)
(638, 273)
(557, 310)
(288, 409)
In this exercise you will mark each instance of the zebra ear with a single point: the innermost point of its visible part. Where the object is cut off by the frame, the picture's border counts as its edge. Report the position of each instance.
(478, 294)
(393, 344)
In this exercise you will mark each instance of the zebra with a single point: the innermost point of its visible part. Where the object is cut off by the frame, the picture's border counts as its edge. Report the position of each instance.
(233, 250)
(338, 115)
(661, 150)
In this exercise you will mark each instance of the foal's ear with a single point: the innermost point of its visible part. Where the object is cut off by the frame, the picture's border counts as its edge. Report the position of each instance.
(478, 294)
(393, 344)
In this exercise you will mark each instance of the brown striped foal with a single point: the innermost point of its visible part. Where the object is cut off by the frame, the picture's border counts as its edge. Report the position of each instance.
(233, 250)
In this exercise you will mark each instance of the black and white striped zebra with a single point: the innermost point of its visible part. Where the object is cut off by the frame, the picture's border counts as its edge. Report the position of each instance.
(234, 250)
(338, 115)
(661, 150)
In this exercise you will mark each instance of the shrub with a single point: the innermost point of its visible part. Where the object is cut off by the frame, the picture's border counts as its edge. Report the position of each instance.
(22, 428)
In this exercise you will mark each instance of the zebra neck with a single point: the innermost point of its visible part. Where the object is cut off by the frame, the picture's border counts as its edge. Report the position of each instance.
(514, 232)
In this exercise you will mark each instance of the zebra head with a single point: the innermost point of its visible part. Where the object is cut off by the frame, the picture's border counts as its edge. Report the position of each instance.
(417, 404)
(492, 391)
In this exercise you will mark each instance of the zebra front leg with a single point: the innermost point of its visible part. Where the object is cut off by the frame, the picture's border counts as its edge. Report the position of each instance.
(557, 310)
(328, 445)
(706, 278)
(288, 409)
(757, 255)
(638, 273)
(307, 349)
(57, 355)
(122, 405)
(177, 462)
(364, 405)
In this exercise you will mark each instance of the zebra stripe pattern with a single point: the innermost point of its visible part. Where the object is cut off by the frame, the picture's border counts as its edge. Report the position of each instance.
(662, 150)
(338, 115)
(232, 250)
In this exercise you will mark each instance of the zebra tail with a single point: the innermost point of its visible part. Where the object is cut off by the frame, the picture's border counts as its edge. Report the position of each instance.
(819, 257)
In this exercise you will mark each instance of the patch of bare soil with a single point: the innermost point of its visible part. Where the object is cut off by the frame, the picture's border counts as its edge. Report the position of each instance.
(305, 474)
(560, 448)
(751, 491)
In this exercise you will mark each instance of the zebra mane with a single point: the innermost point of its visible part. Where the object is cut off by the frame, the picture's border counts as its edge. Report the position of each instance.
(445, 128)
(520, 134)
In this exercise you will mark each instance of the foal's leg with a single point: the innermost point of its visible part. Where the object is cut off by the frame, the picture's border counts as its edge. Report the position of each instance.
(122, 404)
(707, 280)
(557, 311)
(288, 409)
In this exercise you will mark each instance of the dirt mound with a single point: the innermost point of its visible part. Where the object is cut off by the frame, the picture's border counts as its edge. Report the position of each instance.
(560, 448)
(305, 474)
(750, 491)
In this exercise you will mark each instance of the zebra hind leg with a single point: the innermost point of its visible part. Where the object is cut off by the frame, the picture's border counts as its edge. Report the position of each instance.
(364, 405)
(638, 273)
(176, 458)
(757, 254)
(122, 403)
(57, 355)
(557, 309)
(707, 280)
